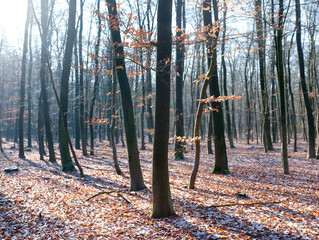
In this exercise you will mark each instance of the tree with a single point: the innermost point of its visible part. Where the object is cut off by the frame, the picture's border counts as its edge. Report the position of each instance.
(43, 95)
(96, 78)
(228, 121)
(180, 50)
(67, 164)
(162, 201)
(221, 163)
(262, 77)
(293, 120)
(115, 160)
(82, 102)
(22, 86)
(278, 32)
(137, 182)
(29, 87)
(310, 118)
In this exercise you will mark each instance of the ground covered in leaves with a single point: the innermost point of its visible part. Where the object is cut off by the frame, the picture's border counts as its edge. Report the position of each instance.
(41, 202)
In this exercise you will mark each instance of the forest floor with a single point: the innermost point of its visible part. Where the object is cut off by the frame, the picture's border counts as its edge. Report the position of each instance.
(41, 202)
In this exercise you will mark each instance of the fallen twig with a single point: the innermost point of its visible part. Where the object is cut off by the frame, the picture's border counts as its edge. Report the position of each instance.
(113, 191)
(243, 204)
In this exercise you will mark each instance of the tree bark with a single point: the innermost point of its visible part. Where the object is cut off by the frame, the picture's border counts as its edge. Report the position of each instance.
(179, 109)
(82, 101)
(46, 108)
(29, 87)
(67, 164)
(22, 83)
(263, 85)
(281, 83)
(162, 201)
(137, 182)
(228, 121)
(96, 79)
(221, 163)
(310, 118)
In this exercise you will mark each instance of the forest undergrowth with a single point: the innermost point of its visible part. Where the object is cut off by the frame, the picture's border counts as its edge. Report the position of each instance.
(41, 202)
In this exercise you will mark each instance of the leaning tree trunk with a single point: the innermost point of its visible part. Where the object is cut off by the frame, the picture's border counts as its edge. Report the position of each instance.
(311, 125)
(137, 182)
(67, 164)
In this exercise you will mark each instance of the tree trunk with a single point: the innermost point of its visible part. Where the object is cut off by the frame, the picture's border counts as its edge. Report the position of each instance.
(281, 83)
(114, 151)
(162, 201)
(82, 101)
(228, 121)
(29, 87)
(77, 97)
(96, 79)
(263, 85)
(293, 119)
(22, 84)
(179, 109)
(45, 108)
(67, 164)
(221, 163)
(311, 125)
(137, 182)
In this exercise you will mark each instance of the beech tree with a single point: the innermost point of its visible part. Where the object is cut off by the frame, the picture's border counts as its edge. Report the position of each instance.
(162, 201)
(262, 77)
(137, 182)
(278, 33)
(67, 164)
(221, 163)
(45, 108)
(310, 118)
(22, 87)
(180, 50)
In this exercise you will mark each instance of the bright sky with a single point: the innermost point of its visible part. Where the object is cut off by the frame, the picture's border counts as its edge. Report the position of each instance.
(12, 20)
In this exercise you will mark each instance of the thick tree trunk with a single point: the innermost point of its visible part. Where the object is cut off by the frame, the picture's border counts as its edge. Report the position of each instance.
(162, 201)
(221, 163)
